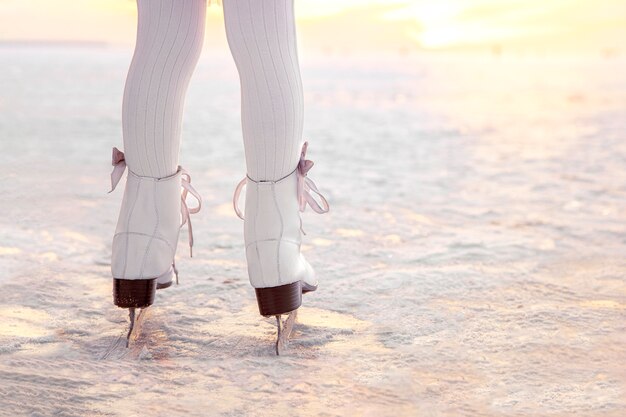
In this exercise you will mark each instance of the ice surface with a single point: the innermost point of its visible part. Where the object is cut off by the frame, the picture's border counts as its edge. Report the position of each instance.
(472, 262)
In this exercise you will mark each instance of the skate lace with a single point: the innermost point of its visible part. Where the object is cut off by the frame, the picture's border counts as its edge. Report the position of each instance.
(119, 166)
(184, 209)
(305, 187)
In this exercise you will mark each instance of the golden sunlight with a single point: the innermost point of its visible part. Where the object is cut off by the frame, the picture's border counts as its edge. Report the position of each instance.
(533, 23)
(374, 24)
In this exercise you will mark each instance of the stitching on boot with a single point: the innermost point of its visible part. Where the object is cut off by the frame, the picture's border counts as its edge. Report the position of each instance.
(130, 214)
(295, 242)
(158, 237)
(280, 216)
(256, 247)
(156, 226)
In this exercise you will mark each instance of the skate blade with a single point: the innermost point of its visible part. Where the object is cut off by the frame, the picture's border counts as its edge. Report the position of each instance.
(120, 347)
(136, 325)
(284, 331)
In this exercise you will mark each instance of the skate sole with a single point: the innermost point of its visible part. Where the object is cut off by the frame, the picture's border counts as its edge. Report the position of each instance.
(134, 293)
(308, 287)
(164, 286)
(278, 300)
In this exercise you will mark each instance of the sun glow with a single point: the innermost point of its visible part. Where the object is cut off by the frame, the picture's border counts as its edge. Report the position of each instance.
(354, 24)
(556, 23)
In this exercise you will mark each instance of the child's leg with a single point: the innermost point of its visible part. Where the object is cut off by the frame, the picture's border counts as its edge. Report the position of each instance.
(262, 39)
(169, 40)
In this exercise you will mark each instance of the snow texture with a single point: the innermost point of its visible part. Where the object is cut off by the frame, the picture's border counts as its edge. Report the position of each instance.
(472, 263)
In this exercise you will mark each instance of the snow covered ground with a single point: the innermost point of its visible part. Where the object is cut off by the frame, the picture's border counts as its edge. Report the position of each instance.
(472, 262)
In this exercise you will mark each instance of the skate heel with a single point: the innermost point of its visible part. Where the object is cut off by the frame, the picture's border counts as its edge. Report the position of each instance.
(278, 300)
(134, 293)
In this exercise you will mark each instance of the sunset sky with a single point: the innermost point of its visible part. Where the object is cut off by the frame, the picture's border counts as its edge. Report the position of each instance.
(571, 25)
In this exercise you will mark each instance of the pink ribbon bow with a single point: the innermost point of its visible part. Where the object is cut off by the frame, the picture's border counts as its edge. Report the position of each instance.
(119, 162)
(305, 187)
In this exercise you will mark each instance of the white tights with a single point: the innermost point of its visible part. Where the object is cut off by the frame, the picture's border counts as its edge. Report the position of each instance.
(262, 38)
(169, 41)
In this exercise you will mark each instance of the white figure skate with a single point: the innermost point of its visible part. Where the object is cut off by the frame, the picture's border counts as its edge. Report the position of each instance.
(146, 236)
(273, 234)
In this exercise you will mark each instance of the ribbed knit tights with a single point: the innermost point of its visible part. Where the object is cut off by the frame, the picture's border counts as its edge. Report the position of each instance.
(262, 39)
(169, 41)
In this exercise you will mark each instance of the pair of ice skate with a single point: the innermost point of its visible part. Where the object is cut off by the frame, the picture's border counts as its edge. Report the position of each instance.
(154, 210)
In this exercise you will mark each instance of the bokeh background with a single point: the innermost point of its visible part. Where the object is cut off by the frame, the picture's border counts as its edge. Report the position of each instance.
(472, 263)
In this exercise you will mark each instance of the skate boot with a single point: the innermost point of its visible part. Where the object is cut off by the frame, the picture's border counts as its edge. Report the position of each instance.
(273, 235)
(146, 236)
